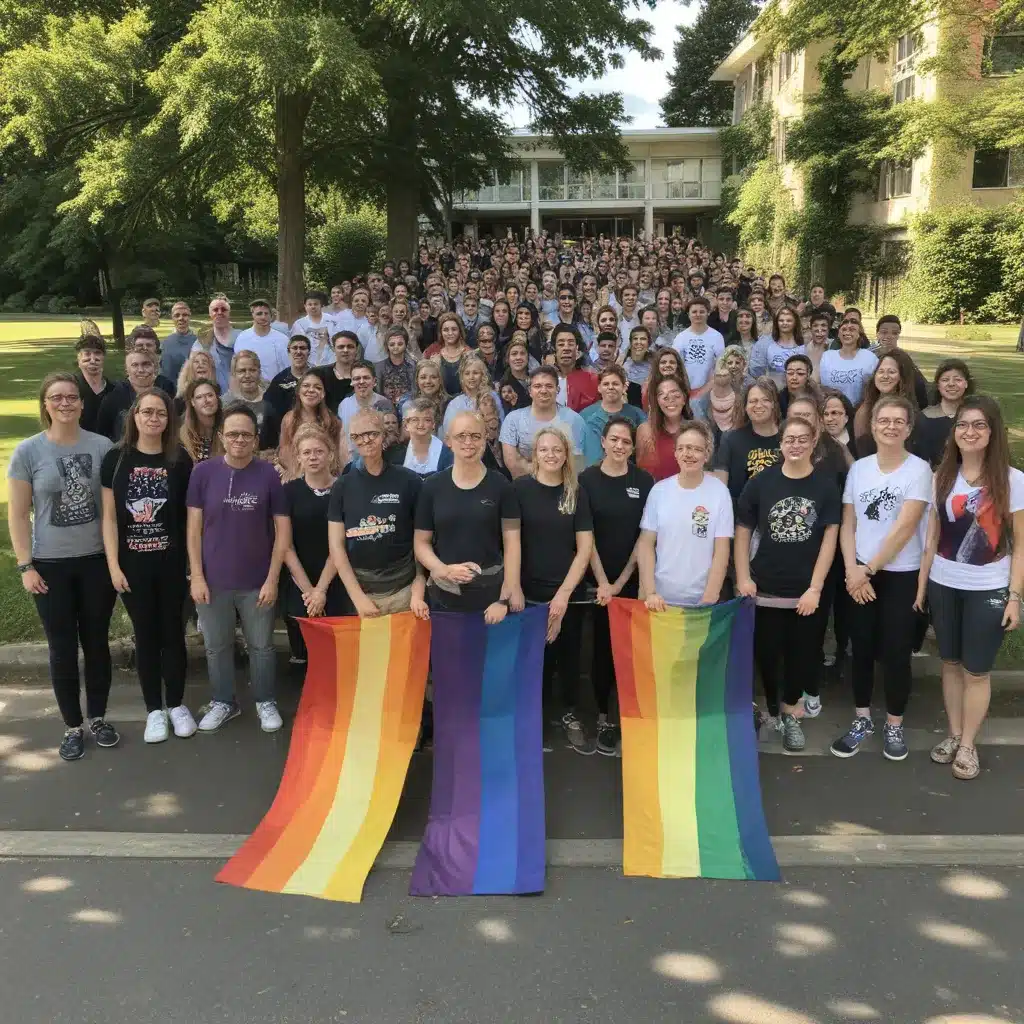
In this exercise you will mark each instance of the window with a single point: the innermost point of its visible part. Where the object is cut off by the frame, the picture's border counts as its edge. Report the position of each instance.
(787, 65)
(1004, 52)
(550, 180)
(998, 168)
(513, 187)
(510, 187)
(907, 48)
(762, 81)
(779, 142)
(633, 183)
(602, 186)
(903, 89)
(896, 179)
(686, 179)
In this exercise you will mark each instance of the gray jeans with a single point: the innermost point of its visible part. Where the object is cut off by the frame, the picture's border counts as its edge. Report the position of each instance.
(217, 621)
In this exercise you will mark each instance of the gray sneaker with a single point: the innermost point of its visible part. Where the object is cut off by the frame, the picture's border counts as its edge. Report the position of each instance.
(576, 735)
(793, 741)
(894, 746)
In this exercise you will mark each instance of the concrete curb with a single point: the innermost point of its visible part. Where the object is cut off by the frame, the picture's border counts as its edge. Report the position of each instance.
(792, 851)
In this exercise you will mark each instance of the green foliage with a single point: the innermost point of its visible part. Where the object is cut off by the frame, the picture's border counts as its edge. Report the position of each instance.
(347, 244)
(750, 140)
(761, 213)
(692, 98)
(968, 334)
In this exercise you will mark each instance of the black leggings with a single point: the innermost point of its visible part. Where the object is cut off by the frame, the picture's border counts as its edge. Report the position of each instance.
(563, 656)
(836, 599)
(156, 606)
(884, 630)
(76, 609)
(783, 638)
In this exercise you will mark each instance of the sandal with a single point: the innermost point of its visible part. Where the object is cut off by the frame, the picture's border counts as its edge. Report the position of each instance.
(966, 765)
(945, 752)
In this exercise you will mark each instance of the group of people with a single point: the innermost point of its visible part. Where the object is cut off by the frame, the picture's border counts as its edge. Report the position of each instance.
(498, 424)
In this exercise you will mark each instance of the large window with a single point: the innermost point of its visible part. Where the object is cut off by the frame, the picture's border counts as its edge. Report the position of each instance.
(556, 181)
(896, 179)
(686, 179)
(998, 168)
(907, 48)
(513, 187)
(550, 180)
(633, 183)
(1004, 52)
(787, 65)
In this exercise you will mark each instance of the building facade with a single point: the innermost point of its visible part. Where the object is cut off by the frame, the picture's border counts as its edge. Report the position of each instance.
(674, 185)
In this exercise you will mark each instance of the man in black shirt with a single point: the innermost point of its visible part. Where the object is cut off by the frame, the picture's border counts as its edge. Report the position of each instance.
(723, 316)
(281, 392)
(91, 354)
(370, 526)
(141, 370)
(144, 339)
(337, 378)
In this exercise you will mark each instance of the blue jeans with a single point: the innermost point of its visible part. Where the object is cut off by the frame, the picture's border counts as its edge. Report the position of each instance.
(217, 621)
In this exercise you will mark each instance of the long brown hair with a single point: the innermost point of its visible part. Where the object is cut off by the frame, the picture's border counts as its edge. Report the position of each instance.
(191, 433)
(169, 439)
(995, 476)
(656, 377)
(655, 416)
(294, 419)
(768, 388)
(905, 388)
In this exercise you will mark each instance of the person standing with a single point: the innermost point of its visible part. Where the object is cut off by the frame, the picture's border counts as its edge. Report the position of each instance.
(91, 354)
(754, 444)
(397, 372)
(238, 533)
(201, 424)
(54, 519)
(883, 501)
(656, 439)
(424, 452)
(699, 345)
(145, 480)
(370, 526)
(247, 387)
(311, 586)
(611, 385)
(281, 393)
(269, 345)
(953, 382)
(972, 571)
(141, 370)
(557, 538)
(318, 328)
(849, 367)
(617, 491)
(768, 357)
(310, 408)
(364, 397)
(355, 320)
(221, 344)
(521, 425)
(175, 348)
(796, 509)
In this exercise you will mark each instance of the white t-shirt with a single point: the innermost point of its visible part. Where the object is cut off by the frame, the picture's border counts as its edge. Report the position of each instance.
(969, 537)
(877, 498)
(687, 523)
(699, 352)
(373, 351)
(847, 375)
(272, 349)
(321, 351)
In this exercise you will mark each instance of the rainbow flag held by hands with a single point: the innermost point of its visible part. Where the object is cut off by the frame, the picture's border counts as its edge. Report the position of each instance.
(485, 832)
(691, 793)
(351, 743)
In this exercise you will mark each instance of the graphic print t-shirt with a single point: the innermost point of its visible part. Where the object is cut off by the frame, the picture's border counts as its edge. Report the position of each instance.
(969, 534)
(792, 516)
(743, 454)
(378, 513)
(65, 483)
(699, 352)
(149, 500)
(877, 499)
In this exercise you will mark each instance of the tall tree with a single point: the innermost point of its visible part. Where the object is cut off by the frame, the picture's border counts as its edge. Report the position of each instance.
(692, 98)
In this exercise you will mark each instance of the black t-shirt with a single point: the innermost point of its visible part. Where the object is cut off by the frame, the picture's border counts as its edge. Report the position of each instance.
(616, 507)
(548, 536)
(307, 509)
(149, 501)
(378, 513)
(791, 516)
(91, 401)
(930, 436)
(466, 524)
(743, 454)
(336, 389)
(281, 392)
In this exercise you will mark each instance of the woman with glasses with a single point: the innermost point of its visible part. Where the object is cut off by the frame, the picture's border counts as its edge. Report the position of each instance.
(311, 585)
(883, 501)
(557, 538)
(310, 407)
(145, 480)
(796, 510)
(54, 519)
(200, 431)
(972, 570)
(467, 530)
(953, 383)
(423, 452)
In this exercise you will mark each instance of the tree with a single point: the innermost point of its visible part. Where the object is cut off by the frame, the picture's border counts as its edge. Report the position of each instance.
(692, 98)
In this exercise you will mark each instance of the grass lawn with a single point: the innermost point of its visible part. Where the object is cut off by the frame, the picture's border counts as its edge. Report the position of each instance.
(30, 347)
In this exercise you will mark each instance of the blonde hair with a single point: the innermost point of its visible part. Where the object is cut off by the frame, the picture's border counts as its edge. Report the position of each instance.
(313, 431)
(468, 360)
(189, 374)
(570, 484)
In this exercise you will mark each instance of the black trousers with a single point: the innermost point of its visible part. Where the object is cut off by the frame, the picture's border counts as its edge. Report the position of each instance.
(562, 656)
(156, 606)
(838, 601)
(75, 611)
(602, 671)
(884, 631)
(787, 649)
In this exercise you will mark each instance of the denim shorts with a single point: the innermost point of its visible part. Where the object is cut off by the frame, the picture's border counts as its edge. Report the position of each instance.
(968, 625)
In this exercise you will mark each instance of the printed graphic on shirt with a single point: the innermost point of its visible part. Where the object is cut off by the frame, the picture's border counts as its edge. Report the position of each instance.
(883, 503)
(973, 536)
(147, 494)
(632, 492)
(372, 527)
(244, 502)
(791, 520)
(696, 352)
(699, 521)
(76, 505)
(839, 377)
(761, 458)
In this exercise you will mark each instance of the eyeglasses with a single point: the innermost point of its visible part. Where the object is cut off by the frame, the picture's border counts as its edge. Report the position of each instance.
(63, 399)
(467, 438)
(365, 437)
(886, 422)
(239, 435)
(979, 425)
(154, 414)
(800, 439)
(692, 449)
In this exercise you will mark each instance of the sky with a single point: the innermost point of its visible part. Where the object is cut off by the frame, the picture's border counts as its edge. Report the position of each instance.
(642, 83)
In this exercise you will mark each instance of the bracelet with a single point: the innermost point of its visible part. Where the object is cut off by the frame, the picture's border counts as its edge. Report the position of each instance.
(23, 567)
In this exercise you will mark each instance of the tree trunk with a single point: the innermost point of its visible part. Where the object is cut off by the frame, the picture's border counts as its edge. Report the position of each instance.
(291, 112)
(113, 296)
(403, 209)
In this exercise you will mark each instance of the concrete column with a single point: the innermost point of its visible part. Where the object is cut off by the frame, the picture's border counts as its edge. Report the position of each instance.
(534, 198)
(648, 220)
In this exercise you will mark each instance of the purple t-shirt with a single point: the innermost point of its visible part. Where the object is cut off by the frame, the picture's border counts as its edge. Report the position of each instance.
(238, 506)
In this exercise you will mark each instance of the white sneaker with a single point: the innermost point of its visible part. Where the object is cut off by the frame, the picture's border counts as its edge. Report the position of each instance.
(156, 727)
(270, 717)
(812, 706)
(217, 713)
(182, 721)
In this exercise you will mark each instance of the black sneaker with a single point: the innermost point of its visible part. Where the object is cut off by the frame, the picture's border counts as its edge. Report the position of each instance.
(72, 747)
(894, 745)
(576, 735)
(104, 733)
(607, 739)
(849, 743)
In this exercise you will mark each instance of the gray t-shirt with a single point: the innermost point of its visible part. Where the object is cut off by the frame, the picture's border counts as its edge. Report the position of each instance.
(520, 426)
(66, 504)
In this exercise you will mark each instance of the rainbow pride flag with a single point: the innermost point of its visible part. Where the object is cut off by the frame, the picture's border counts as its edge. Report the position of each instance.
(353, 737)
(691, 794)
(485, 832)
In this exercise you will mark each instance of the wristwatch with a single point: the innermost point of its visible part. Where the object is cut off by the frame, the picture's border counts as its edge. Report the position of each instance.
(23, 567)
